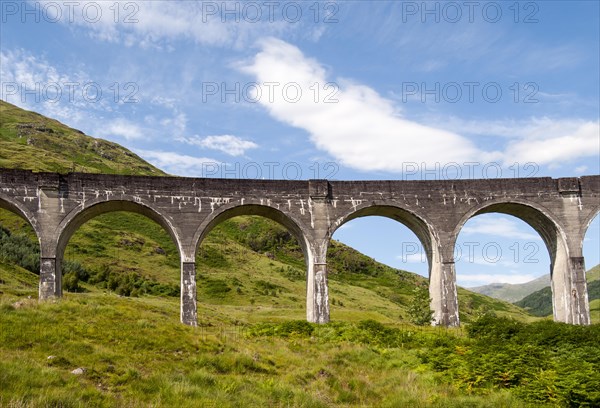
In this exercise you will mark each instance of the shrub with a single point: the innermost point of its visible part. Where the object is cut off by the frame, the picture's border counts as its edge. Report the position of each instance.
(20, 250)
(71, 282)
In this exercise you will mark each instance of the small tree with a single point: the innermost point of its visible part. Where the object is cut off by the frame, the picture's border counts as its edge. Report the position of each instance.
(419, 311)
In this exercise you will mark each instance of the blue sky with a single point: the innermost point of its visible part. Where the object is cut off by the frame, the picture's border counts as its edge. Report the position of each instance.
(340, 90)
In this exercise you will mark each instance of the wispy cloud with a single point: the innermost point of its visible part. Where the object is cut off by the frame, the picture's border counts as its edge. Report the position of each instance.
(228, 144)
(413, 258)
(557, 142)
(359, 127)
(498, 226)
(69, 95)
(122, 128)
(32, 82)
(177, 164)
(158, 24)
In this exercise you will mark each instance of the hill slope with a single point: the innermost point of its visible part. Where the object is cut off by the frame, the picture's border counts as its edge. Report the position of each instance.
(31, 141)
(512, 292)
(539, 303)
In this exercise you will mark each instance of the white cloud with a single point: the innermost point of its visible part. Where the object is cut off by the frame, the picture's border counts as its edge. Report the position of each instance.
(413, 258)
(360, 128)
(540, 140)
(365, 131)
(177, 164)
(33, 83)
(493, 256)
(498, 226)
(122, 128)
(229, 144)
(557, 142)
(155, 24)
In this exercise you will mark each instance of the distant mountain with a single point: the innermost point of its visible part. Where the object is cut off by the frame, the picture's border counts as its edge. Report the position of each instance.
(539, 303)
(513, 292)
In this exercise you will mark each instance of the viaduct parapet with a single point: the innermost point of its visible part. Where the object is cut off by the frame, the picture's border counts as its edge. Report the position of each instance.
(560, 210)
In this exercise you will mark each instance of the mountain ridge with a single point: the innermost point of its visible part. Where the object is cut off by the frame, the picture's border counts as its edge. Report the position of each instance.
(512, 292)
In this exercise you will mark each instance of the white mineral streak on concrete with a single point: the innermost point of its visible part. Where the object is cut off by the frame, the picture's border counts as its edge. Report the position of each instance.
(310, 211)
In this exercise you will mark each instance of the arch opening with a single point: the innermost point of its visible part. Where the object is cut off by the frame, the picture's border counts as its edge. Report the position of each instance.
(19, 253)
(254, 259)
(375, 262)
(19, 211)
(414, 223)
(441, 295)
(499, 251)
(546, 227)
(502, 257)
(254, 210)
(122, 246)
(591, 241)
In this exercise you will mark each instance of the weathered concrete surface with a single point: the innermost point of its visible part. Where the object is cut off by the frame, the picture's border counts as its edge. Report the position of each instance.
(560, 210)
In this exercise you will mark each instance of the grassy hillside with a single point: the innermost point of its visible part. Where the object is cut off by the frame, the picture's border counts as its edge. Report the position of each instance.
(512, 292)
(539, 303)
(31, 141)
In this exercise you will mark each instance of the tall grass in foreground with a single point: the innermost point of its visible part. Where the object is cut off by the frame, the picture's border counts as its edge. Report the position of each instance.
(136, 354)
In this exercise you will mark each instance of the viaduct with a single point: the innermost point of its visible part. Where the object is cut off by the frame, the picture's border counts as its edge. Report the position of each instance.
(560, 210)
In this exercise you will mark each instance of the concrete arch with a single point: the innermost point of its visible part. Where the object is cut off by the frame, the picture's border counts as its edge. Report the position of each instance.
(51, 270)
(226, 212)
(17, 208)
(317, 306)
(534, 215)
(442, 280)
(417, 224)
(93, 208)
(586, 225)
(569, 290)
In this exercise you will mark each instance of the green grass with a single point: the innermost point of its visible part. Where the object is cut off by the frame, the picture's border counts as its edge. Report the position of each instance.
(136, 353)
(33, 142)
